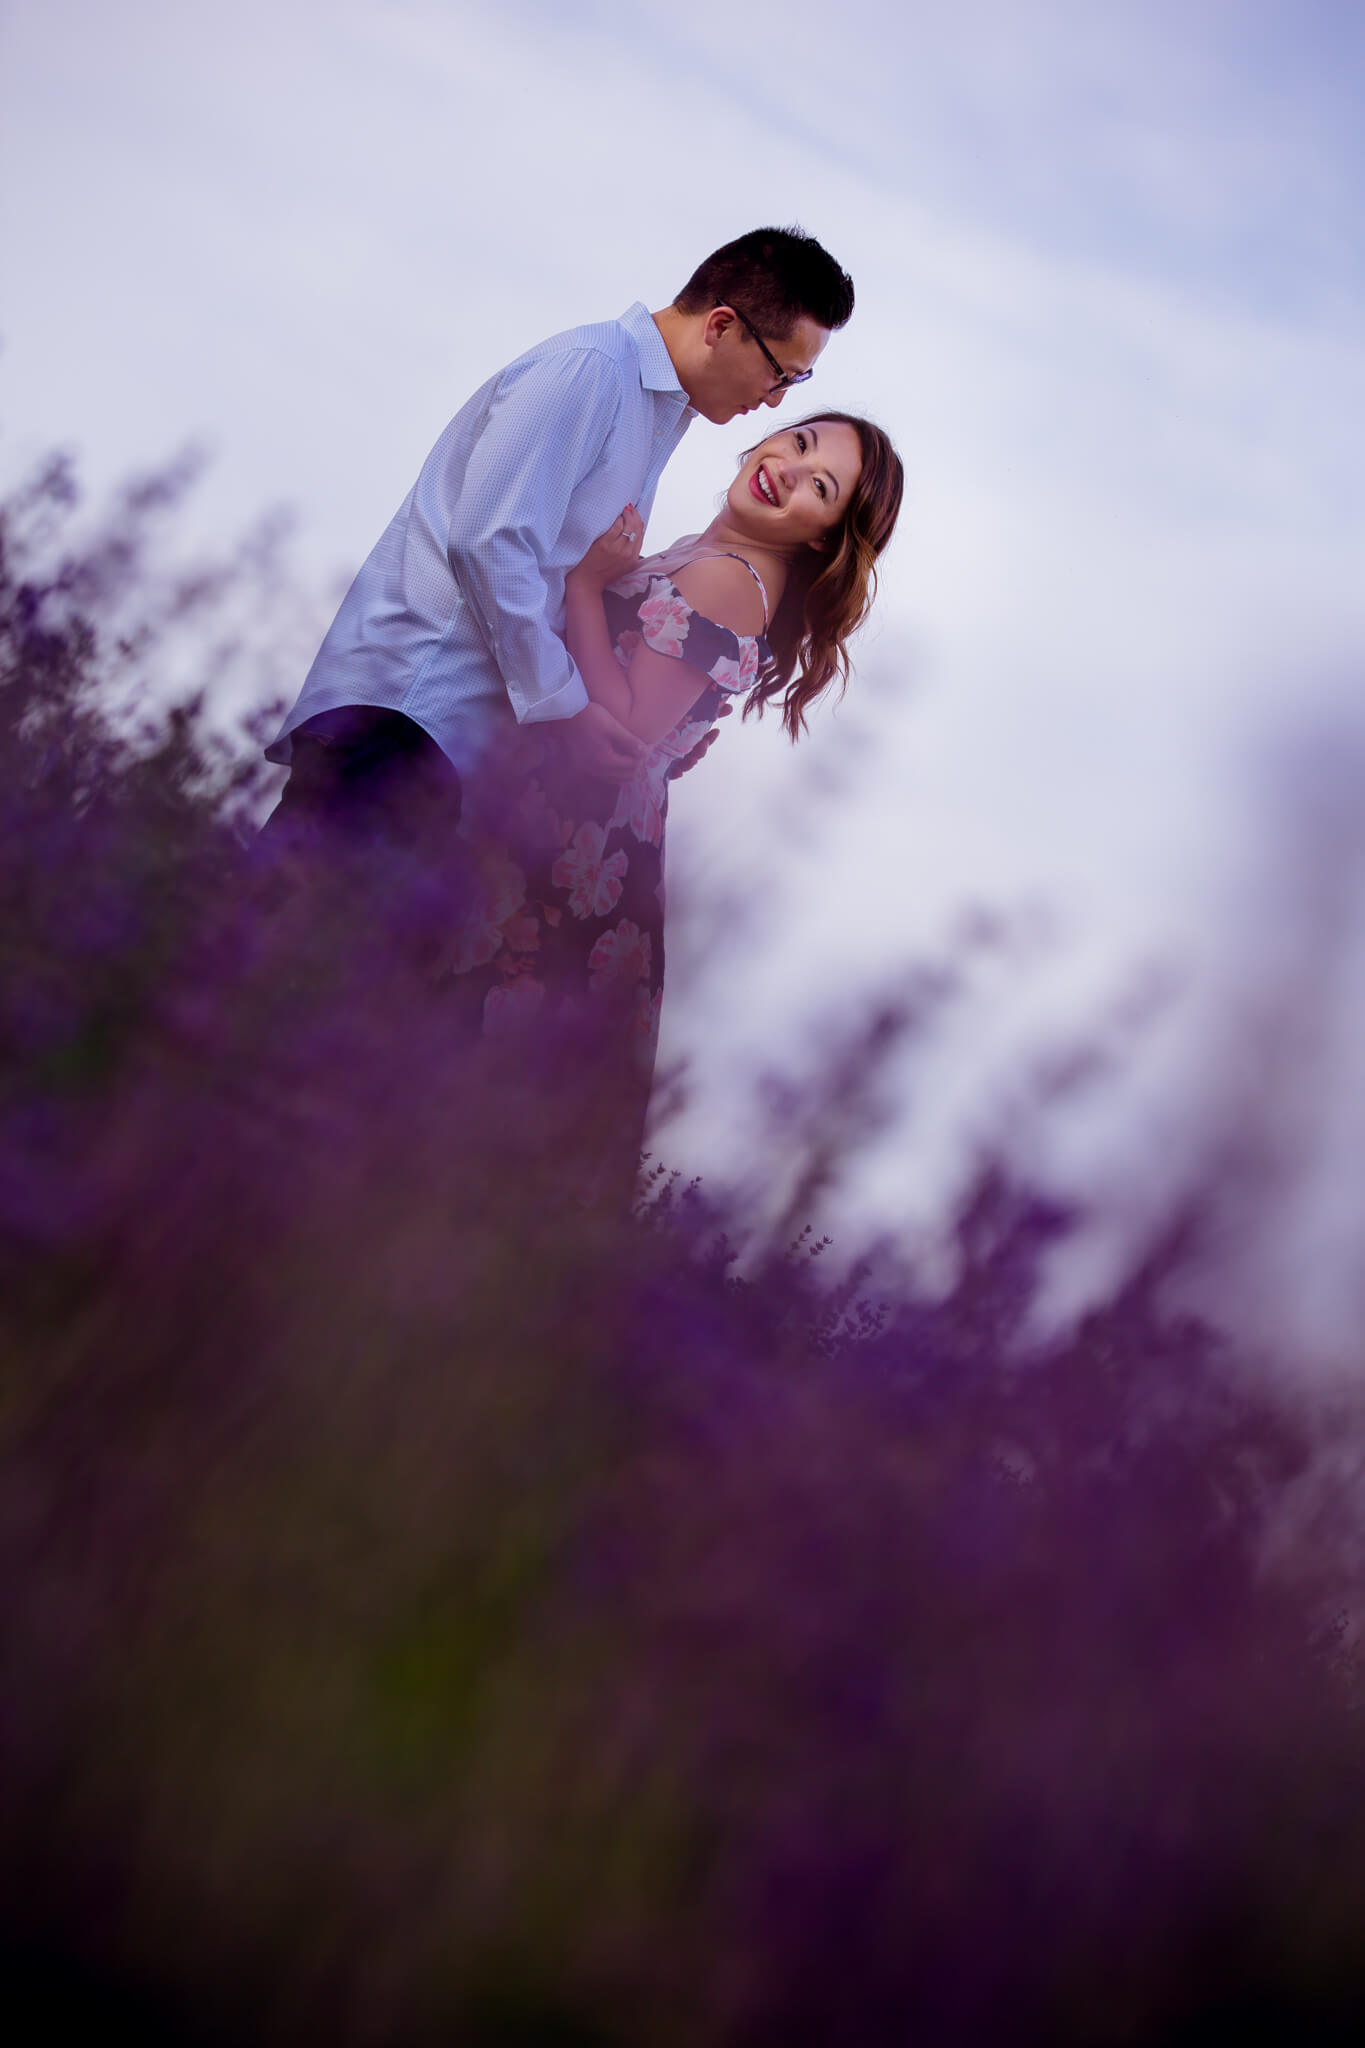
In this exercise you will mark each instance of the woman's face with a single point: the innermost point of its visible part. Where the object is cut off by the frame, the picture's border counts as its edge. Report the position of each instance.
(793, 489)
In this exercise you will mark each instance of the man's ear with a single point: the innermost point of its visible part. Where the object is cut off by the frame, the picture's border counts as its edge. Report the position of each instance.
(718, 323)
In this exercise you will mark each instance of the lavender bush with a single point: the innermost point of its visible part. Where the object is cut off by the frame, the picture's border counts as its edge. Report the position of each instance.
(437, 1609)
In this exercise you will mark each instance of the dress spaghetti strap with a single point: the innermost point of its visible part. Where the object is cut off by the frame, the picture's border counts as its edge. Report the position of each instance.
(728, 554)
(762, 588)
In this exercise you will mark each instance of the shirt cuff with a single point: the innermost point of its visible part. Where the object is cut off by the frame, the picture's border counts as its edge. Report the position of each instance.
(565, 703)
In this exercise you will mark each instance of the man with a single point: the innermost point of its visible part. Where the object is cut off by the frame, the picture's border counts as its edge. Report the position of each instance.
(449, 637)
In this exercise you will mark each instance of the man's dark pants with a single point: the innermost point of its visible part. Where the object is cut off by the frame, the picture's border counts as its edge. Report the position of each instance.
(365, 839)
(361, 774)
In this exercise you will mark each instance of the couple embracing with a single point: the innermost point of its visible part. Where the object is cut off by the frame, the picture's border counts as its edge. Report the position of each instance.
(510, 684)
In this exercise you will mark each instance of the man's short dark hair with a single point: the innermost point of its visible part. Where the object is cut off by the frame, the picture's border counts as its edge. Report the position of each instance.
(773, 275)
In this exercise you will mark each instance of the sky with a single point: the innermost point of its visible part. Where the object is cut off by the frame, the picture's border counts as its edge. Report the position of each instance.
(1111, 301)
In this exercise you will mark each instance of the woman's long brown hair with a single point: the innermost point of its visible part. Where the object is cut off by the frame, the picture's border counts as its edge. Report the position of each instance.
(823, 606)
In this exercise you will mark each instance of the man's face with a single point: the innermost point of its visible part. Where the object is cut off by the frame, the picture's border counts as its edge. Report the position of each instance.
(734, 375)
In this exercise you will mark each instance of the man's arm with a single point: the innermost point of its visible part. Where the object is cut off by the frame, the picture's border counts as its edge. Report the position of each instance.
(550, 424)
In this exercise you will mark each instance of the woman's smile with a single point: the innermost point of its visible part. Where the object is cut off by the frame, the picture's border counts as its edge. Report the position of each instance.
(803, 477)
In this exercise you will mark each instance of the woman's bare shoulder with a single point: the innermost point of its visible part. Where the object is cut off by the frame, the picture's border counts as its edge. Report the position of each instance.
(721, 587)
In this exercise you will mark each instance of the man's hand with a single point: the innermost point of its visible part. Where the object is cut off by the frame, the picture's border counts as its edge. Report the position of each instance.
(599, 745)
(703, 744)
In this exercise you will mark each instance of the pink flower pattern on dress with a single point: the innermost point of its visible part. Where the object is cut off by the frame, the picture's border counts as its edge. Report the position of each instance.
(593, 883)
(624, 646)
(640, 805)
(621, 958)
(521, 932)
(647, 1012)
(665, 617)
(501, 893)
(737, 675)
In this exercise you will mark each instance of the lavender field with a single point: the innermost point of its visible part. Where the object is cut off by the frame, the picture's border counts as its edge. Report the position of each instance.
(436, 1609)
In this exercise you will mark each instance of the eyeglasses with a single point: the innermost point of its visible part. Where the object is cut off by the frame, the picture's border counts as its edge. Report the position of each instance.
(785, 378)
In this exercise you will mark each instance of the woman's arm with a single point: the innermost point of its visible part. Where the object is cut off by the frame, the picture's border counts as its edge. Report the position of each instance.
(659, 689)
(664, 687)
(585, 616)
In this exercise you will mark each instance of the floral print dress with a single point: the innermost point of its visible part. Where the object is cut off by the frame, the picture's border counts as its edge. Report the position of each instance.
(570, 899)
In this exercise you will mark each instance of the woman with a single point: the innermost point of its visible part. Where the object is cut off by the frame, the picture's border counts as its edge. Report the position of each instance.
(761, 604)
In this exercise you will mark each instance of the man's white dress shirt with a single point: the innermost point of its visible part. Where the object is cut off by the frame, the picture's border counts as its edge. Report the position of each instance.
(456, 617)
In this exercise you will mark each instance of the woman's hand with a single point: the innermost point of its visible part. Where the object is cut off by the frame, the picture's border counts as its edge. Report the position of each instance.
(614, 553)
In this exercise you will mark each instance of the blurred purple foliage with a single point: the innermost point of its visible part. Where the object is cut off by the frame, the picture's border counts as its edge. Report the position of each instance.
(437, 1610)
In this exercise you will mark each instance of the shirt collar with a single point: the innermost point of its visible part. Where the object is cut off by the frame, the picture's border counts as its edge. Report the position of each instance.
(656, 365)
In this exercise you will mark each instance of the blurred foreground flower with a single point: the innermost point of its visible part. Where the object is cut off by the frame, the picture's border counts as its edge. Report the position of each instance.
(436, 1609)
